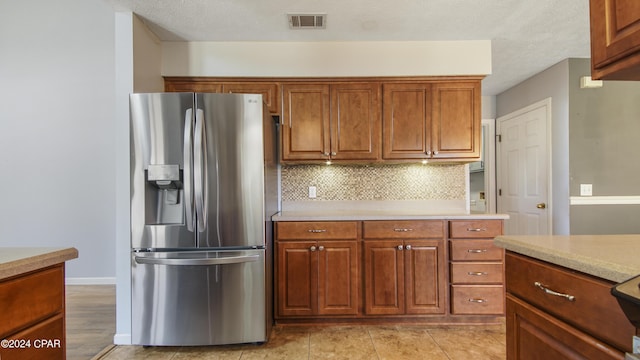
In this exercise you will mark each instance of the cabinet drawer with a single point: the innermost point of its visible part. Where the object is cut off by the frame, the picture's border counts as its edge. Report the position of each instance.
(477, 299)
(475, 250)
(28, 299)
(475, 229)
(594, 310)
(46, 341)
(316, 230)
(403, 229)
(475, 273)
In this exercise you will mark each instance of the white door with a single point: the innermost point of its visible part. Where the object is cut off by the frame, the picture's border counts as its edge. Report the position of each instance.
(523, 169)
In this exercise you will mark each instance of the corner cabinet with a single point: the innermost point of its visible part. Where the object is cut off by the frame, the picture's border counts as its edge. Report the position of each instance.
(324, 121)
(615, 39)
(435, 120)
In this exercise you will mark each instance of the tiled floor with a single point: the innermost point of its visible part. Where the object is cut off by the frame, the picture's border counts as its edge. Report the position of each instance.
(91, 325)
(345, 342)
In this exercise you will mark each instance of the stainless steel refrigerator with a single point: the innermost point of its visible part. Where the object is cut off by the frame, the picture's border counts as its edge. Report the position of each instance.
(203, 190)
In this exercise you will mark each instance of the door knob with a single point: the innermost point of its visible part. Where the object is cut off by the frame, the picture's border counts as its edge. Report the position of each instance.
(541, 206)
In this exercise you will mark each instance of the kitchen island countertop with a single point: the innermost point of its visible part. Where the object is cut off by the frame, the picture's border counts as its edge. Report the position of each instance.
(19, 260)
(610, 257)
(359, 215)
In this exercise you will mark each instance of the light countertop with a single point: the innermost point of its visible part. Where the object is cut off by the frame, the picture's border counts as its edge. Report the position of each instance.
(610, 257)
(19, 260)
(356, 215)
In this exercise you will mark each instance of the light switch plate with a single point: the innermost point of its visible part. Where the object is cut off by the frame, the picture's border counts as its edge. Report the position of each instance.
(586, 189)
(312, 192)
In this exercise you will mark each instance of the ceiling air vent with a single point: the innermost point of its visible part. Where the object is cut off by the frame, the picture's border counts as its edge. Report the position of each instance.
(307, 21)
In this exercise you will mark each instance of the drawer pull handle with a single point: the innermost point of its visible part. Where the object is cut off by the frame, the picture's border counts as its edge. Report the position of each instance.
(317, 230)
(476, 229)
(554, 293)
(476, 251)
(479, 301)
(402, 230)
(477, 273)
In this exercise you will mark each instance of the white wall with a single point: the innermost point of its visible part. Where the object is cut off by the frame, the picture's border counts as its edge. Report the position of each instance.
(57, 134)
(309, 59)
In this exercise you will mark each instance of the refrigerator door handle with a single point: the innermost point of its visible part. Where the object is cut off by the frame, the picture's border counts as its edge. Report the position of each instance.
(200, 172)
(197, 262)
(188, 169)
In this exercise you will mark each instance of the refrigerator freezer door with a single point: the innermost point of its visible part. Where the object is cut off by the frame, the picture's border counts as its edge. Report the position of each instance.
(233, 146)
(199, 298)
(161, 185)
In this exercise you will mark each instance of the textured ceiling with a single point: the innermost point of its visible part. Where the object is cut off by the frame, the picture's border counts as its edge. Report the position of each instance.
(527, 36)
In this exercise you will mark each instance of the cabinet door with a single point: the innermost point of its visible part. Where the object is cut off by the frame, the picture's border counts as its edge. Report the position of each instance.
(384, 277)
(456, 120)
(534, 334)
(615, 39)
(192, 86)
(297, 278)
(424, 276)
(305, 125)
(269, 91)
(355, 121)
(406, 121)
(337, 277)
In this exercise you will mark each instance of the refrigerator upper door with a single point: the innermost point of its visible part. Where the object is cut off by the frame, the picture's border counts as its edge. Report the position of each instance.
(233, 158)
(162, 126)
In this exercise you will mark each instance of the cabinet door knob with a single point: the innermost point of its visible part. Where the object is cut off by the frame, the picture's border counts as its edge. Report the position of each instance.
(477, 300)
(429, 152)
(325, 154)
(400, 247)
(333, 153)
(312, 248)
(320, 248)
(408, 247)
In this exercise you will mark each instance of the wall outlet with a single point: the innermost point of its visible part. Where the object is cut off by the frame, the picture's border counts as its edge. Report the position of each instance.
(312, 192)
(586, 189)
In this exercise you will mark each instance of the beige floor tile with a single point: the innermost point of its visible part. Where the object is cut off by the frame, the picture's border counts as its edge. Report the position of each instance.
(141, 353)
(284, 343)
(209, 353)
(341, 343)
(407, 343)
(469, 344)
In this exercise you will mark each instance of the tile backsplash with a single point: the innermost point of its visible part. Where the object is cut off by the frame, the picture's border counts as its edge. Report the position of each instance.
(375, 182)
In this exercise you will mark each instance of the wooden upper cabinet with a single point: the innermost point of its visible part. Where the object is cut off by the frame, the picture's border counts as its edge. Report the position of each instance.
(270, 91)
(439, 120)
(406, 121)
(355, 121)
(615, 39)
(192, 86)
(337, 121)
(456, 120)
(305, 122)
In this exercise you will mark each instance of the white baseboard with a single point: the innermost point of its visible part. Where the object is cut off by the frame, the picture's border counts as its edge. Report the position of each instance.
(122, 339)
(90, 281)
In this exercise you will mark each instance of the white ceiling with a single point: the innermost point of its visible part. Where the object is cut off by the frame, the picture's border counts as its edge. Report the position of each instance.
(527, 36)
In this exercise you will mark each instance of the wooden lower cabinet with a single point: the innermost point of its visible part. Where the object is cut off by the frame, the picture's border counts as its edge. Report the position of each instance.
(548, 325)
(377, 270)
(316, 277)
(33, 315)
(404, 277)
(534, 334)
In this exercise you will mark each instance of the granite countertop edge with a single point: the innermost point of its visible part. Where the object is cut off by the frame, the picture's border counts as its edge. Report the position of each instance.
(15, 261)
(359, 216)
(602, 268)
